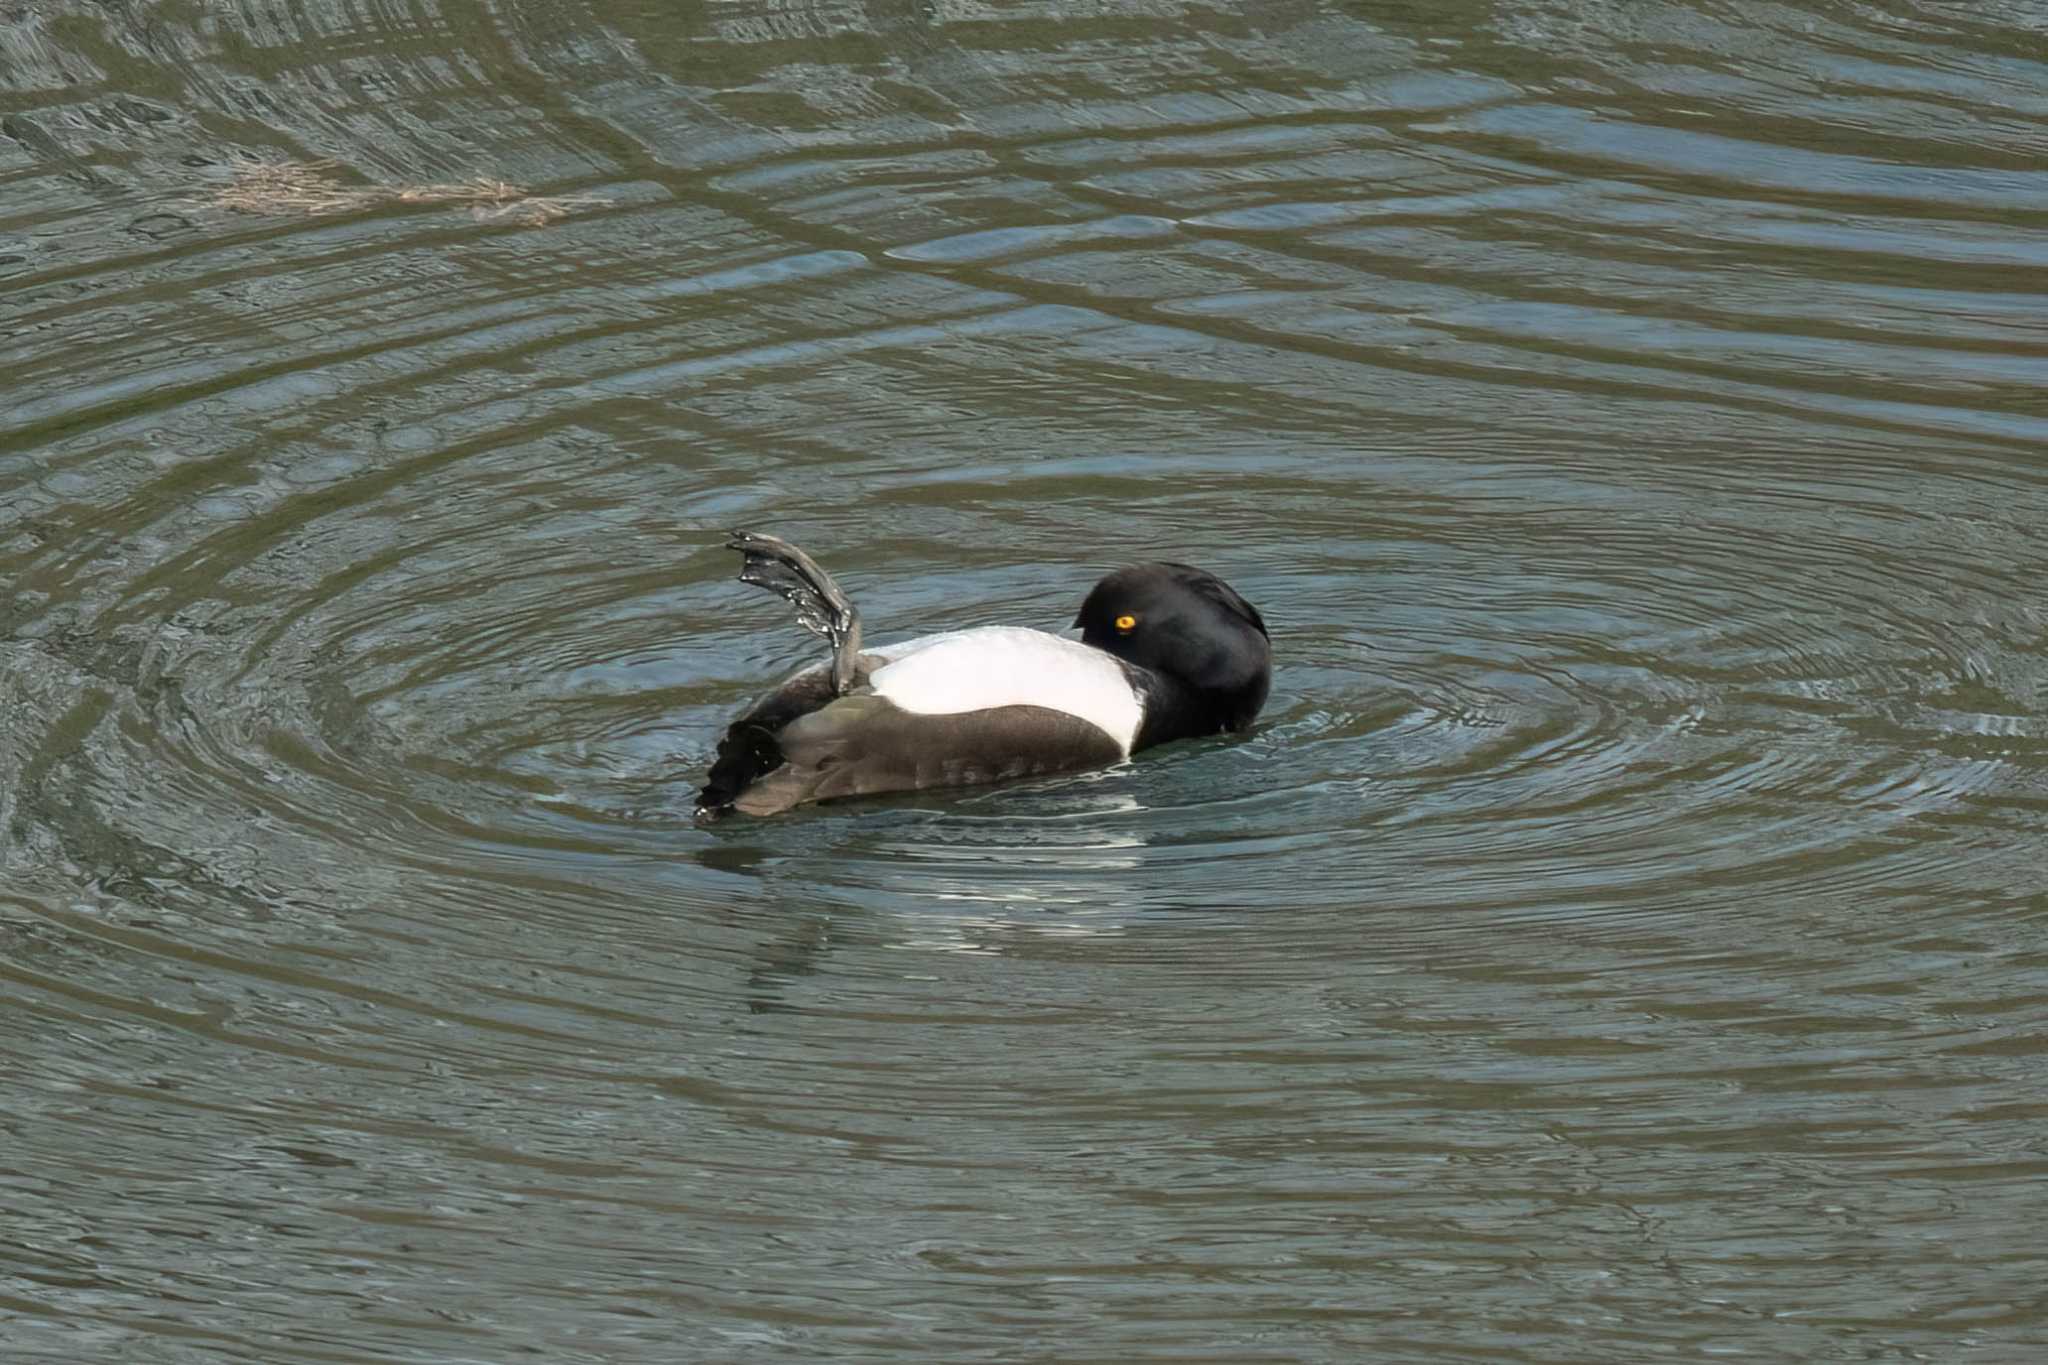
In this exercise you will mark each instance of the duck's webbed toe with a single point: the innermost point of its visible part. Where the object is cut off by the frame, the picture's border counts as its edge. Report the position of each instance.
(822, 607)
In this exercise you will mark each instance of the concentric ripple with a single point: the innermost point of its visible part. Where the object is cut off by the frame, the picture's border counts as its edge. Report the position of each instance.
(1619, 937)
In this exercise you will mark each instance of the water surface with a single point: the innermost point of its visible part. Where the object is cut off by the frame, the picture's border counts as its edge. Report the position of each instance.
(1621, 938)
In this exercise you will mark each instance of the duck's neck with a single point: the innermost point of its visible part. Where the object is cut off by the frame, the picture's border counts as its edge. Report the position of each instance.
(1173, 710)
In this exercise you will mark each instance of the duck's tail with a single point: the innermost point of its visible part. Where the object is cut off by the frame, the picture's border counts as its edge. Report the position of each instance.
(775, 564)
(750, 749)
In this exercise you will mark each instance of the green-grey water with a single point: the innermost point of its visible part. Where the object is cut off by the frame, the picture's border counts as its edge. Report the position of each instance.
(1624, 936)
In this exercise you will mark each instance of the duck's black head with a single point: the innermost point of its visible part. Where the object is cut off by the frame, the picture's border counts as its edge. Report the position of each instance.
(1205, 644)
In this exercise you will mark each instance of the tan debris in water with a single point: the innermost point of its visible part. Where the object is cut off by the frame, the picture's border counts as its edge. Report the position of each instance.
(276, 187)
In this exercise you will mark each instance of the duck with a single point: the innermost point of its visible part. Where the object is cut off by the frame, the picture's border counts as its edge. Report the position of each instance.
(1167, 652)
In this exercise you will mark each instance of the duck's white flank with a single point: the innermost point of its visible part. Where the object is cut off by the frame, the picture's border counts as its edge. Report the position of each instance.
(976, 670)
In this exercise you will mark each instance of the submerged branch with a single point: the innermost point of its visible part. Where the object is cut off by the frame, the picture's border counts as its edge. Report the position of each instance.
(309, 187)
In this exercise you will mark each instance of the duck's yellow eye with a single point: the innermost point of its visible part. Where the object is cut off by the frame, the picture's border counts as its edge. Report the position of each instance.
(1126, 624)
